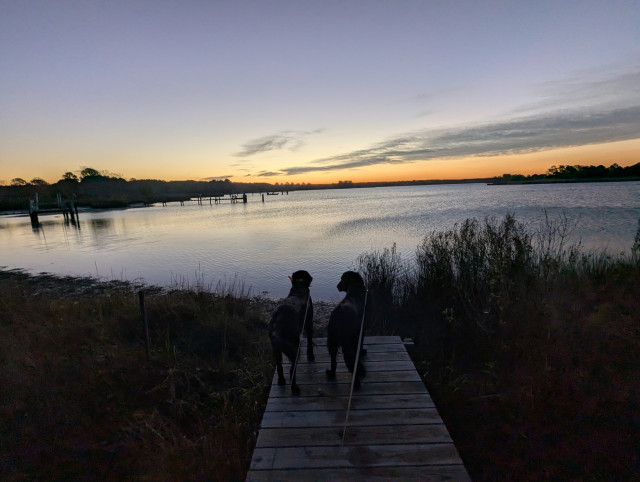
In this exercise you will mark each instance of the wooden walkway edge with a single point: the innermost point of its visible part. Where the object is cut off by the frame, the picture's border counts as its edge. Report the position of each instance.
(394, 431)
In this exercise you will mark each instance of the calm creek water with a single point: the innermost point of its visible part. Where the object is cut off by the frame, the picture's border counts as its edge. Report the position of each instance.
(258, 244)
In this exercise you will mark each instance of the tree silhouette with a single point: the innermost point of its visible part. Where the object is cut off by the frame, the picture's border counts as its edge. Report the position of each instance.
(69, 176)
(89, 172)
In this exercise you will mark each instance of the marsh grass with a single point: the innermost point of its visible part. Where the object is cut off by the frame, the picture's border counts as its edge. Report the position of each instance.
(81, 401)
(383, 273)
(529, 346)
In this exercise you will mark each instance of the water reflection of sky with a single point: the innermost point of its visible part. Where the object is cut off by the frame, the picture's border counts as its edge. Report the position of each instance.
(323, 231)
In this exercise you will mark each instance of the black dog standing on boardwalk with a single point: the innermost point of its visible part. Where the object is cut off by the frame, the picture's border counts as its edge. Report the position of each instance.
(343, 330)
(288, 321)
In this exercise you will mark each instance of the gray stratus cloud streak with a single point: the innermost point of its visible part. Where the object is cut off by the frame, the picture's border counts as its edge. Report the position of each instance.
(615, 91)
(291, 140)
(514, 136)
(266, 174)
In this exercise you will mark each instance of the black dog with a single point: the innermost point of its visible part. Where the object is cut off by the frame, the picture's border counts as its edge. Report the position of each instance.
(345, 324)
(287, 323)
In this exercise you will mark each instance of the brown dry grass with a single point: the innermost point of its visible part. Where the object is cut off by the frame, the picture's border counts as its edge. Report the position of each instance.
(81, 401)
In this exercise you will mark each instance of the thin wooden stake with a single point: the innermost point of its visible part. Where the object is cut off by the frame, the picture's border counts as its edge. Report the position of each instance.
(355, 367)
(145, 322)
(304, 323)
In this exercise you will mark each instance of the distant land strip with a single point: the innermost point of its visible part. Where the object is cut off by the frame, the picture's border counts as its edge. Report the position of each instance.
(105, 190)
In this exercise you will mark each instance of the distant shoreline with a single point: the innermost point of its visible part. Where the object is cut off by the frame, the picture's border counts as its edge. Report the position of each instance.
(566, 181)
(361, 185)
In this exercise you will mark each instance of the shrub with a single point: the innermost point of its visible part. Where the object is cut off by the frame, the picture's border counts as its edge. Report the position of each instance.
(528, 345)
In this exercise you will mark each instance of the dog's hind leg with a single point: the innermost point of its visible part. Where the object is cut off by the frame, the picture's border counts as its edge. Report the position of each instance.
(333, 352)
(363, 350)
(350, 360)
(308, 332)
(295, 389)
(310, 355)
(292, 353)
(278, 357)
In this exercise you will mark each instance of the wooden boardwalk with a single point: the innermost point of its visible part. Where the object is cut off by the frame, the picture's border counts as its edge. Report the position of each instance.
(394, 430)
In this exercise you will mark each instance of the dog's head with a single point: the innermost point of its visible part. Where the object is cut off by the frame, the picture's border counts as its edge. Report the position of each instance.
(301, 279)
(350, 280)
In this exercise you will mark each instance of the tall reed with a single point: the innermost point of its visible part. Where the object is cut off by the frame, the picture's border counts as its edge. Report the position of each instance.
(383, 272)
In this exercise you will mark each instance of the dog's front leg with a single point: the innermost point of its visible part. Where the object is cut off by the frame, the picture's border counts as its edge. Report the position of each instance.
(278, 357)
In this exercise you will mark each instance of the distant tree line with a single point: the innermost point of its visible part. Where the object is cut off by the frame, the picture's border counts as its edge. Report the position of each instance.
(102, 189)
(574, 173)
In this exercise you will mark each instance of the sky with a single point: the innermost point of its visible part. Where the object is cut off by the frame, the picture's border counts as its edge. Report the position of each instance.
(316, 91)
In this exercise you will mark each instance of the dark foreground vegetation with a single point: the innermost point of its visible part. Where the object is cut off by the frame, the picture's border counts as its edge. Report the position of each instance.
(530, 349)
(80, 400)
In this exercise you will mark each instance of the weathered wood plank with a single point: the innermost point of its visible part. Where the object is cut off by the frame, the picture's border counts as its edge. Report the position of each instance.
(352, 456)
(336, 418)
(368, 340)
(305, 377)
(316, 436)
(371, 348)
(384, 365)
(332, 389)
(322, 356)
(362, 402)
(423, 473)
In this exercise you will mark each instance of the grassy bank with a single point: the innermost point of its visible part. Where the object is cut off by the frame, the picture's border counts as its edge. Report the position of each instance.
(80, 399)
(529, 347)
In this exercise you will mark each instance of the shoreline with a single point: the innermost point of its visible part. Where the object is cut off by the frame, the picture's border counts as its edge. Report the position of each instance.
(68, 286)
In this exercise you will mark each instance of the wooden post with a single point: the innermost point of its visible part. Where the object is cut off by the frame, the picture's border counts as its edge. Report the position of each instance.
(145, 322)
(33, 212)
